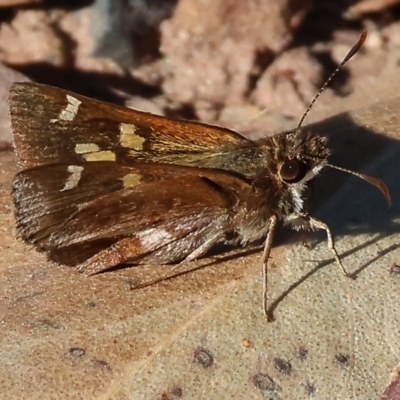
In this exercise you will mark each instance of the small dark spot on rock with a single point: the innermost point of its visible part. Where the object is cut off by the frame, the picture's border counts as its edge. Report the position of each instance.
(310, 388)
(265, 383)
(283, 366)
(203, 357)
(342, 359)
(77, 351)
(177, 391)
(101, 364)
(395, 270)
(303, 353)
(173, 394)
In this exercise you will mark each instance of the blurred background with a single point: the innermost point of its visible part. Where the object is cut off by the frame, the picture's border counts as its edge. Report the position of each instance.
(217, 61)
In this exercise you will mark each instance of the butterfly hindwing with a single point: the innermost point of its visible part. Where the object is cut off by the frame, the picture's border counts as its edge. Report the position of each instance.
(99, 203)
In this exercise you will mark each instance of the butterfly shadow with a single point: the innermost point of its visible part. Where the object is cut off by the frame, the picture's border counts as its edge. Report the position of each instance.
(349, 206)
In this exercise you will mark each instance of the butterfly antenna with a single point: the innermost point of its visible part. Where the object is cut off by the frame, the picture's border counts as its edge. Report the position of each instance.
(370, 179)
(349, 55)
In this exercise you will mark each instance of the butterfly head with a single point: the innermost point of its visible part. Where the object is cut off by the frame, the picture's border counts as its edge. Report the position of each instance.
(300, 156)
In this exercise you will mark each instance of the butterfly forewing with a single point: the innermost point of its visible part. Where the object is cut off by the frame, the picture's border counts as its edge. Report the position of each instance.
(68, 127)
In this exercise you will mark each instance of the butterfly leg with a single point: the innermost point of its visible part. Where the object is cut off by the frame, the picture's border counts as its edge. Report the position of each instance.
(267, 251)
(203, 248)
(315, 224)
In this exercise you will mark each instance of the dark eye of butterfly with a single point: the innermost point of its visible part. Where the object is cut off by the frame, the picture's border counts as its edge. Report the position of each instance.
(293, 171)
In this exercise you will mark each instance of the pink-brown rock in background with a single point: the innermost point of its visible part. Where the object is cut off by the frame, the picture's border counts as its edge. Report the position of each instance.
(210, 48)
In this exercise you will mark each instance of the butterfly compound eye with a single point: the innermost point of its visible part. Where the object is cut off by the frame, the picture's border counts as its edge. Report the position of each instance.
(293, 171)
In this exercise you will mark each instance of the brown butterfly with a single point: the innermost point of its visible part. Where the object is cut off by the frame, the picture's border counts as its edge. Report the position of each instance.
(104, 185)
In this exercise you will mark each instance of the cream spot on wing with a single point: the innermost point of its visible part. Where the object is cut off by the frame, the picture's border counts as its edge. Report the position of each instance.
(69, 112)
(83, 148)
(154, 237)
(131, 180)
(105, 155)
(128, 137)
(73, 180)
